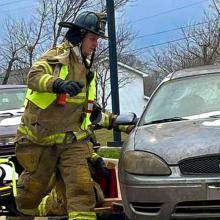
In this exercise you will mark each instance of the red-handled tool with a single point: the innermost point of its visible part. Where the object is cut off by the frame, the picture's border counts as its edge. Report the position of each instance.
(61, 99)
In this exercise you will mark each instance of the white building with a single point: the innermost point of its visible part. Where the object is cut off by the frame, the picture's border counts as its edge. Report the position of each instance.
(131, 90)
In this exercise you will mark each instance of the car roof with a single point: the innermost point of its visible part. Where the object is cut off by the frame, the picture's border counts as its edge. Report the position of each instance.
(12, 86)
(195, 71)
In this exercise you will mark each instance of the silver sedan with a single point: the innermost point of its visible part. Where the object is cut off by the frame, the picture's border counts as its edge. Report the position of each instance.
(170, 166)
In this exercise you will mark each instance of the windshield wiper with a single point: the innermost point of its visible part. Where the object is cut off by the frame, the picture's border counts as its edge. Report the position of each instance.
(20, 112)
(6, 114)
(214, 116)
(165, 120)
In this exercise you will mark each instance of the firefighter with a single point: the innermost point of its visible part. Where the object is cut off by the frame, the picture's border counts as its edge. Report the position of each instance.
(54, 203)
(52, 135)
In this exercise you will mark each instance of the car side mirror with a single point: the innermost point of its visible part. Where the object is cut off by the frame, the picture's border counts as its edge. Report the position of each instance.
(126, 119)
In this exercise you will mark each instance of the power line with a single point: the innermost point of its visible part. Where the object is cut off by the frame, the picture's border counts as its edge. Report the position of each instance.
(170, 30)
(169, 11)
(159, 44)
(13, 2)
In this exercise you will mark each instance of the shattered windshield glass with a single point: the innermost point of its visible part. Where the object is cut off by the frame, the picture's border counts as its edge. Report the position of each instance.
(184, 97)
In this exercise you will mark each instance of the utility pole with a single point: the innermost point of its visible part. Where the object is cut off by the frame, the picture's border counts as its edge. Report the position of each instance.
(113, 65)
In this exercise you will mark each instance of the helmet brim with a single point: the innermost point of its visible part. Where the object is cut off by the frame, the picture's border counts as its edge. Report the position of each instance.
(71, 25)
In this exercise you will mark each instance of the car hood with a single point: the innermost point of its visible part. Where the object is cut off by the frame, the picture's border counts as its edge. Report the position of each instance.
(9, 121)
(175, 141)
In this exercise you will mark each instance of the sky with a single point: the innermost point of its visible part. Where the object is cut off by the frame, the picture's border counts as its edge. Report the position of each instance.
(15, 8)
(145, 17)
(149, 17)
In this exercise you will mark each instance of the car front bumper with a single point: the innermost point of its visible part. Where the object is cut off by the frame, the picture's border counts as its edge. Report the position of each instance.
(170, 197)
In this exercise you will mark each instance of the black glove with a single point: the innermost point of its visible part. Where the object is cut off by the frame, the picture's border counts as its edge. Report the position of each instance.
(96, 114)
(70, 87)
(100, 164)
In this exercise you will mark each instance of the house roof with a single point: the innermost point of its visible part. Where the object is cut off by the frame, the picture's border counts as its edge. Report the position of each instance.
(141, 73)
(132, 69)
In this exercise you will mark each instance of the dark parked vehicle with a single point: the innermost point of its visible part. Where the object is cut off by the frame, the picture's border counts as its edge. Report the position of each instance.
(11, 109)
(170, 166)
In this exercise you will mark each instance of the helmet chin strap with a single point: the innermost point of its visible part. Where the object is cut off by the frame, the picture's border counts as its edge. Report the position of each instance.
(87, 64)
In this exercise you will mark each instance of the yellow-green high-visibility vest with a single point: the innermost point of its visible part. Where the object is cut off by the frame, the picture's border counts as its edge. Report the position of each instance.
(90, 102)
(44, 99)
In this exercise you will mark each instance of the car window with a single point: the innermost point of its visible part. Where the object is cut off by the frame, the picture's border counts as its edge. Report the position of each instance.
(184, 97)
(12, 98)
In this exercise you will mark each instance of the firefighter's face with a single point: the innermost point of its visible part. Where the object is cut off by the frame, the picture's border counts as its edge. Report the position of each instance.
(89, 43)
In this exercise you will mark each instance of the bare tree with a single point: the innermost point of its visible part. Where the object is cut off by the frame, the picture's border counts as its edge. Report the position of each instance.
(124, 37)
(34, 36)
(199, 46)
(103, 85)
(103, 90)
(62, 10)
(150, 83)
(21, 40)
(10, 49)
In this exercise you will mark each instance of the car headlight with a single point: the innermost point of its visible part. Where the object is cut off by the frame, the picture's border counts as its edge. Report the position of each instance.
(144, 163)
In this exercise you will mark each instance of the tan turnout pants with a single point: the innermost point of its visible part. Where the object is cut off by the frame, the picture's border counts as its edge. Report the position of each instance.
(41, 162)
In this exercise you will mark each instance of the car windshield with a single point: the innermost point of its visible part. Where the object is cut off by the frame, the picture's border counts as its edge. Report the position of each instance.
(12, 98)
(184, 97)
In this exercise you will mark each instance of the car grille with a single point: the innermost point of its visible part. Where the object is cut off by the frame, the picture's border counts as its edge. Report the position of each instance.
(146, 207)
(7, 150)
(195, 208)
(200, 165)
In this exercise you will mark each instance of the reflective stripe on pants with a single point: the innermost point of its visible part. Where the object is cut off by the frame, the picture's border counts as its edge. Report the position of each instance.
(41, 162)
(82, 215)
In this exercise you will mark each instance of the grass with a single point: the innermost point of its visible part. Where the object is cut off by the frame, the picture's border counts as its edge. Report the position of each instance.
(109, 152)
(103, 136)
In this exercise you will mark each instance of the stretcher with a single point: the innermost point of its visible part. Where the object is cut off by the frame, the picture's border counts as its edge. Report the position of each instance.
(111, 208)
